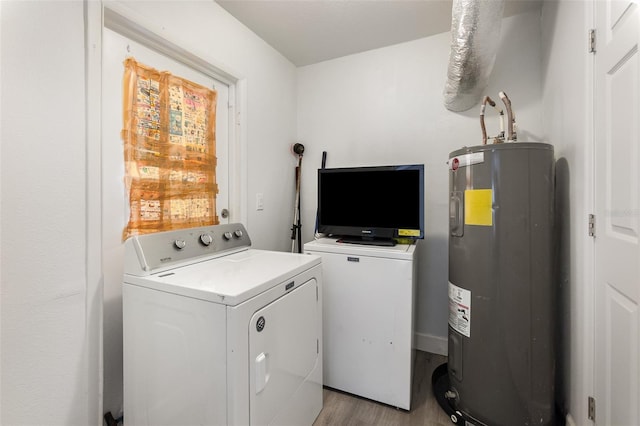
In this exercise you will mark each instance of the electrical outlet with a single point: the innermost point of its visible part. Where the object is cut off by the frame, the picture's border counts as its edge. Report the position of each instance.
(259, 201)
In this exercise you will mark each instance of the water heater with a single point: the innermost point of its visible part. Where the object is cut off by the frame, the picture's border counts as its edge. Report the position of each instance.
(501, 284)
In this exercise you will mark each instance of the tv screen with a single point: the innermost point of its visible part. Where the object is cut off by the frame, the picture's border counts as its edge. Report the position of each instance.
(372, 205)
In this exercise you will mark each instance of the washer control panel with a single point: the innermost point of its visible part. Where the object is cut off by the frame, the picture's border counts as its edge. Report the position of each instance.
(149, 253)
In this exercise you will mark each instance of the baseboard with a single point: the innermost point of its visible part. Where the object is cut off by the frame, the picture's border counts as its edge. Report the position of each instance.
(570, 421)
(430, 343)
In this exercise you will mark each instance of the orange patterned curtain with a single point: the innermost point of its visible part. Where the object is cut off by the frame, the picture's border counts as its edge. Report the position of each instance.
(169, 151)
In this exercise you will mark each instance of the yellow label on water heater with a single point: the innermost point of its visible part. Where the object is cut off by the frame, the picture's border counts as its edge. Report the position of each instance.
(478, 207)
(408, 232)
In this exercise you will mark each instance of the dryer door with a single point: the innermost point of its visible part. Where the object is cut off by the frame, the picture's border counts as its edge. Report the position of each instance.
(283, 353)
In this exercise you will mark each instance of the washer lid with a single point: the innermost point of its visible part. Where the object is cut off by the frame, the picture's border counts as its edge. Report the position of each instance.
(229, 279)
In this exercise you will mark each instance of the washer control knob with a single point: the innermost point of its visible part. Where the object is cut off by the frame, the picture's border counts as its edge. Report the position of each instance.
(237, 233)
(180, 244)
(206, 239)
(227, 236)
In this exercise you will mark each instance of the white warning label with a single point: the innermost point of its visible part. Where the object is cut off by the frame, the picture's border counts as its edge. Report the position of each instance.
(460, 309)
(466, 160)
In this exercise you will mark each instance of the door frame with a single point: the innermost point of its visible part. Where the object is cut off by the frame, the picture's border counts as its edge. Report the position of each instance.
(587, 330)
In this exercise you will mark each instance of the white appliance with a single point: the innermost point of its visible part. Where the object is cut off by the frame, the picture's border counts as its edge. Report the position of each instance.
(368, 303)
(217, 333)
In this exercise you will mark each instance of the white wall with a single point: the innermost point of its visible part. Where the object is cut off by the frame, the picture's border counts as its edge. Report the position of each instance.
(49, 342)
(45, 342)
(385, 106)
(566, 73)
(378, 107)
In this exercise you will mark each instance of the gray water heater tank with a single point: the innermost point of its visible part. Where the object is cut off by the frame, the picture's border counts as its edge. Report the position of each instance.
(501, 284)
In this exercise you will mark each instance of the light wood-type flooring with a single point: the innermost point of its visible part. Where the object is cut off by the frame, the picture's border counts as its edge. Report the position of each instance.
(345, 409)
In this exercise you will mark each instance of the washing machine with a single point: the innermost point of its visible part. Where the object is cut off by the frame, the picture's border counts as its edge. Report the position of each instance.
(219, 333)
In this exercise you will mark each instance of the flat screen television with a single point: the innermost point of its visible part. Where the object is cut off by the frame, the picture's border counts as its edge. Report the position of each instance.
(372, 205)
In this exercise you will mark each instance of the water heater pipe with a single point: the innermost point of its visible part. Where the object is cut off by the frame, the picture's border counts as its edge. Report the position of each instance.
(511, 119)
(487, 100)
(475, 34)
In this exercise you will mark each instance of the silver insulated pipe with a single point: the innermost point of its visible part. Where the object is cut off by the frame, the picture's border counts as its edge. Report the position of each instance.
(475, 34)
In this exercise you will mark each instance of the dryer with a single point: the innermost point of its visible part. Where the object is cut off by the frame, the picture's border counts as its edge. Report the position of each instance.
(218, 333)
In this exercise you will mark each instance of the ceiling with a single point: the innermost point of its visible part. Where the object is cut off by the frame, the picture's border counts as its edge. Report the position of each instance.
(311, 31)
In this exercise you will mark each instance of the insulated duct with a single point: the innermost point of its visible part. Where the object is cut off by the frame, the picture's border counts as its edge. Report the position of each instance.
(475, 34)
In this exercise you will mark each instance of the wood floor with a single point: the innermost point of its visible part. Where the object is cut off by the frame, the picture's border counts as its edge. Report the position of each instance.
(349, 410)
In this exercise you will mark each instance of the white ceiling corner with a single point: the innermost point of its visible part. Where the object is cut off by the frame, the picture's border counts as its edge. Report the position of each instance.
(311, 31)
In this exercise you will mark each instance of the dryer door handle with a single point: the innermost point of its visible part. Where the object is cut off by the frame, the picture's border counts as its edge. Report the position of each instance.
(262, 374)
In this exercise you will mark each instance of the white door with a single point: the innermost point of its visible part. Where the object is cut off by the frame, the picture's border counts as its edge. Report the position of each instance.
(283, 350)
(617, 190)
(116, 48)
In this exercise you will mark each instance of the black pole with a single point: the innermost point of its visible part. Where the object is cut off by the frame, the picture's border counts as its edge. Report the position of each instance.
(323, 165)
(299, 225)
(296, 228)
